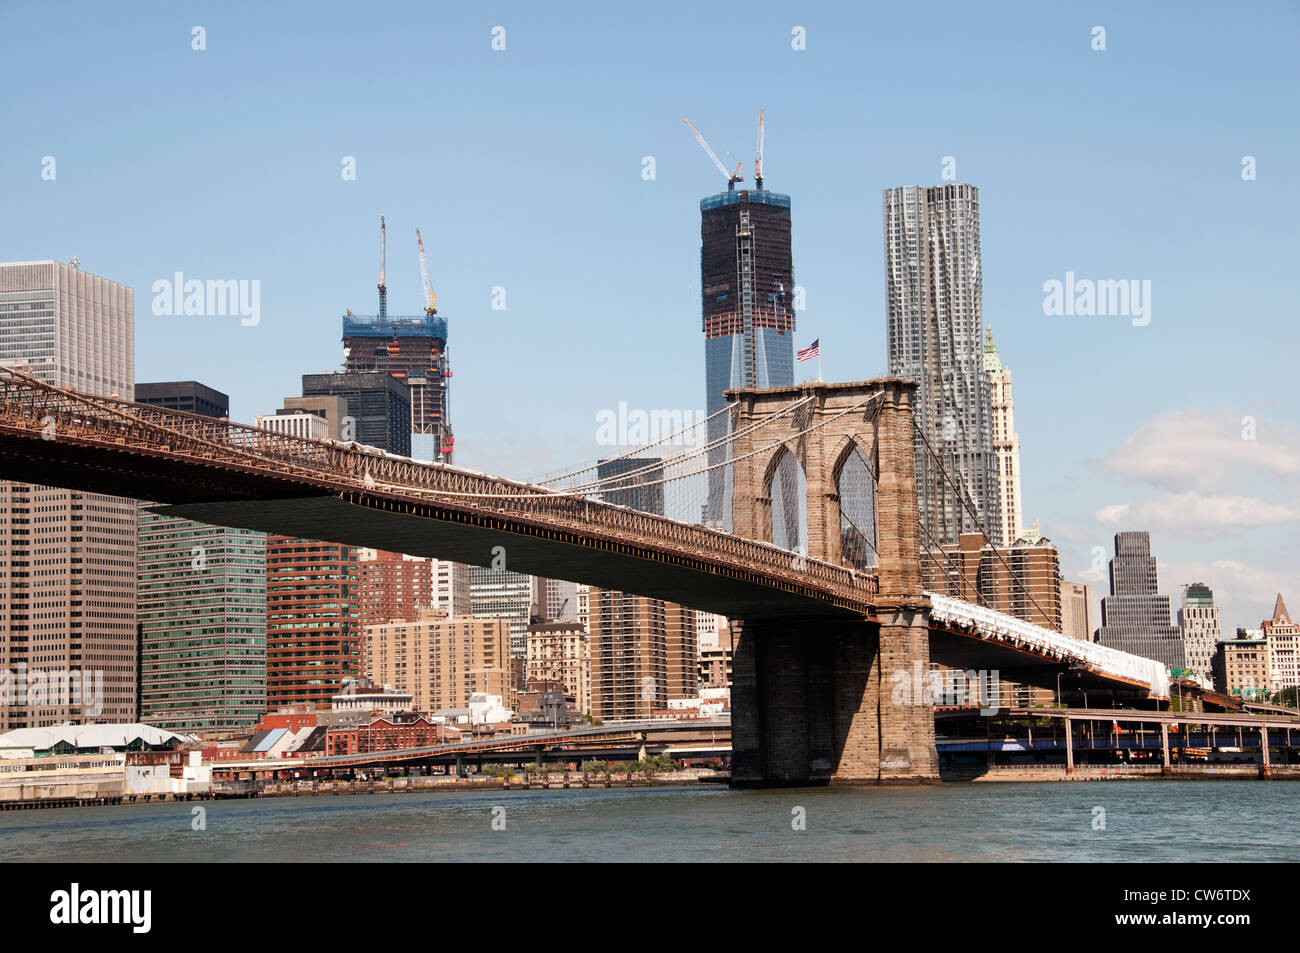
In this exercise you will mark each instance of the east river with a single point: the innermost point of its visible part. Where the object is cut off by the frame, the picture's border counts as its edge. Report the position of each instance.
(1112, 821)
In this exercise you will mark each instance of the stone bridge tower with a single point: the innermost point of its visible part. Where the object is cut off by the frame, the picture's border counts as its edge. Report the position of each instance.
(814, 700)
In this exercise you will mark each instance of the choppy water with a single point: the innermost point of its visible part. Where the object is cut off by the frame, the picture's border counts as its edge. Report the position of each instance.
(1144, 821)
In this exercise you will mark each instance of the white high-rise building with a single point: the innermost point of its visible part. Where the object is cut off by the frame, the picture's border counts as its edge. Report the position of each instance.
(67, 559)
(451, 591)
(1006, 442)
(707, 627)
(935, 325)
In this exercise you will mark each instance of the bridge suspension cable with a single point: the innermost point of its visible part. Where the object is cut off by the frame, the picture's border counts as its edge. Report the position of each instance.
(588, 489)
(698, 451)
(963, 499)
(677, 435)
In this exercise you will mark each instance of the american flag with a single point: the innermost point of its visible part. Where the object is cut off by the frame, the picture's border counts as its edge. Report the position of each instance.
(809, 352)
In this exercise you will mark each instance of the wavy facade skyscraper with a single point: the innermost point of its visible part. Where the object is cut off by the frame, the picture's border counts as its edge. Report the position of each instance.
(935, 325)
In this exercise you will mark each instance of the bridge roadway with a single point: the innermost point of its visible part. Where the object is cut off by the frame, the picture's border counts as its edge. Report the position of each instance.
(1126, 716)
(229, 474)
(965, 636)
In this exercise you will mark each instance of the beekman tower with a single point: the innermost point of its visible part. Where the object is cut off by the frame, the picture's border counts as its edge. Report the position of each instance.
(747, 283)
(935, 326)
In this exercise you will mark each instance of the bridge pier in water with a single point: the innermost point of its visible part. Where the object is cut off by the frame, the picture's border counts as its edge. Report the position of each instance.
(814, 700)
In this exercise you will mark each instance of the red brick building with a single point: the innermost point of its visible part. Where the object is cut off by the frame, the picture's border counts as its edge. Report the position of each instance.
(388, 734)
(392, 587)
(294, 721)
(313, 629)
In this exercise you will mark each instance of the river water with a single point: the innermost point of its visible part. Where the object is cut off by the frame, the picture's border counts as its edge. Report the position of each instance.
(1114, 821)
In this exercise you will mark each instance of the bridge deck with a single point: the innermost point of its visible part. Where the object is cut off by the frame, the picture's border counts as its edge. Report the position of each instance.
(557, 554)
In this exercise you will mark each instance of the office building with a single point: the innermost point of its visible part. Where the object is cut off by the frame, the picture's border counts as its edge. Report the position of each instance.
(1198, 622)
(934, 327)
(747, 296)
(67, 559)
(378, 404)
(1020, 580)
(189, 396)
(441, 662)
(1241, 666)
(202, 604)
(202, 599)
(1077, 617)
(1135, 617)
(313, 620)
(501, 594)
(1006, 442)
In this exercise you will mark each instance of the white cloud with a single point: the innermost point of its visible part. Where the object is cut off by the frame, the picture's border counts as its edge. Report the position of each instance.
(1112, 515)
(1195, 514)
(1094, 577)
(1206, 451)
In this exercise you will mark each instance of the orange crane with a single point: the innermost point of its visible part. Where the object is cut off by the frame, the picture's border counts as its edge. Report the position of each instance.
(732, 177)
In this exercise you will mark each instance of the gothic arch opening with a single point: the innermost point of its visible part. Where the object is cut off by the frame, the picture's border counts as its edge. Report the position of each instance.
(786, 485)
(855, 485)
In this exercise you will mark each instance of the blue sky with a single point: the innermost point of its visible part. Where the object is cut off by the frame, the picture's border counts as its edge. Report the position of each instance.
(523, 168)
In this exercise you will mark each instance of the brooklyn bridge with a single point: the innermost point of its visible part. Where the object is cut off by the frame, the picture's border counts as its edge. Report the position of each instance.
(821, 575)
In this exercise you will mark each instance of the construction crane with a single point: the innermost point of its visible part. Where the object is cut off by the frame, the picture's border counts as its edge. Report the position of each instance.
(758, 159)
(383, 254)
(732, 177)
(429, 309)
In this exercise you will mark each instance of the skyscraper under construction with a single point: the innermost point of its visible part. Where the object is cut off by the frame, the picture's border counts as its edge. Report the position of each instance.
(412, 348)
(747, 291)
